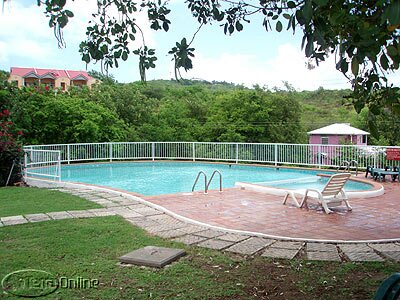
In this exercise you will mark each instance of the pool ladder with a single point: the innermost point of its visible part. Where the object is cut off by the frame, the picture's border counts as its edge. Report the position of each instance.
(207, 183)
(346, 165)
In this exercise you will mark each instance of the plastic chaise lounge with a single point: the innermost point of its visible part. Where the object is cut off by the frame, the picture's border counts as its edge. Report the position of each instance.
(331, 195)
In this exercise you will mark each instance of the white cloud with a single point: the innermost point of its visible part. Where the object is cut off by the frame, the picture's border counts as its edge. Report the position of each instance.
(288, 65)
(3, 52)
(83, 11)
(27, 40)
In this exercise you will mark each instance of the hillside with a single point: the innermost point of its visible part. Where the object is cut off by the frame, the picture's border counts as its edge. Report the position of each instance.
(165, 110)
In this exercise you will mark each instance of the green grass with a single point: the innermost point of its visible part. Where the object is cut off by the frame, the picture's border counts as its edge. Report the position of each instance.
(89, 248)
(20, 200)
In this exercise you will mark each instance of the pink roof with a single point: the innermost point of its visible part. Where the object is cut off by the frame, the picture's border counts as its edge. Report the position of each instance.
(56, 73)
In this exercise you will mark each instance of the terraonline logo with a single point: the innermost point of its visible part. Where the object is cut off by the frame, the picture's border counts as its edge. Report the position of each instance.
(32, 283)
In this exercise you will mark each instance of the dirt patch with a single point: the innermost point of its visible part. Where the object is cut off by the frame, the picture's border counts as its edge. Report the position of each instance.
(269, 279)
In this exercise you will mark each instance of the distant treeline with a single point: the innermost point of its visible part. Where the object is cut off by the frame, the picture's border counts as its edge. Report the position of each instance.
(193, 111)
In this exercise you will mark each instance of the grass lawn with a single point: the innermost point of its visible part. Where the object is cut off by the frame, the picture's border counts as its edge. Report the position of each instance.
(89, 248)
(22, 200)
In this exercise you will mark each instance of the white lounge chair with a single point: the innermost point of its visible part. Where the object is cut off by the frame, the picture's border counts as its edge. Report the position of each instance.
(331, 195)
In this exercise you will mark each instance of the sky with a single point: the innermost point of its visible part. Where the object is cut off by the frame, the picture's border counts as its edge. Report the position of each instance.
(250, 57)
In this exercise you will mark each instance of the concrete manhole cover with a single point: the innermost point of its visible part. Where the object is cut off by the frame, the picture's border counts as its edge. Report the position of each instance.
(152, 256)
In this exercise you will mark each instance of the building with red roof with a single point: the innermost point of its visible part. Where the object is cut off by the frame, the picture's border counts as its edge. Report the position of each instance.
(61, 79)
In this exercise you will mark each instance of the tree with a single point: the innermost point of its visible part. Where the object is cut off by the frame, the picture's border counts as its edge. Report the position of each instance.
(46, 118)
(107, 79)
(238, 116)
(3, 77)
(363, 35)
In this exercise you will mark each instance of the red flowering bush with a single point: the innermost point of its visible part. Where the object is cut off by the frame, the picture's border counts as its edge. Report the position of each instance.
(10, 149)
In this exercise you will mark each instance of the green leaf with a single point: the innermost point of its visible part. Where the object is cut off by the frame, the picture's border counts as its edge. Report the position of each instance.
(392, 51)
(124, 56)
(344, 66)
(184, 43)
(239, 26)
(307, 11)
(104, 49)
(384, 61)
(354, 66)
(300, 17)
(165, 26)
(286, 16)
(69, 13)
(117, 54)
(291, 4)
(62, 21)
(309, 47)
(279, 26)
(86, 58)
(392, 12)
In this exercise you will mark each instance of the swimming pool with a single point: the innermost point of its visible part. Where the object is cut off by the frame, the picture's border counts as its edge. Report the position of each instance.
(157, 178)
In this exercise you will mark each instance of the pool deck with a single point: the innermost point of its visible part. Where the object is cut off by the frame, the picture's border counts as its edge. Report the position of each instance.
(247, 222)
(372, 219)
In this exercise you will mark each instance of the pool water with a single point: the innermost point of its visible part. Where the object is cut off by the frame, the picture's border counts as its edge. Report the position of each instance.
(156, 178)
(315, 182)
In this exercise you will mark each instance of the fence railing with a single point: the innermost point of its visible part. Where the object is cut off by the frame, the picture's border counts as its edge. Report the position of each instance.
(44, 164)
(311, 155)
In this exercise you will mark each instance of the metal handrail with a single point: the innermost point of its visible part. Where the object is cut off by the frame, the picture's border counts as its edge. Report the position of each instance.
(205, 182)
(344, 164)
(355, 164)
(220, 180)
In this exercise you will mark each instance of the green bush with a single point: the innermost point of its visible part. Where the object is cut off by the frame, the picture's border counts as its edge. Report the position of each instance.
(10, 149)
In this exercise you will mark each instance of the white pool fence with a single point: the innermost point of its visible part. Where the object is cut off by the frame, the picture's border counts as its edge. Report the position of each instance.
(44, 164)
(45, 160)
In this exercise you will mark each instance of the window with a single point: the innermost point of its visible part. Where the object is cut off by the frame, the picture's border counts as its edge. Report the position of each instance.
(30, 82)
(324, 140)
(364, 139)
(63, 86)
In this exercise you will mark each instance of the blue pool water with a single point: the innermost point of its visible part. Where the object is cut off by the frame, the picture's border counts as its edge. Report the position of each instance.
(156, 178)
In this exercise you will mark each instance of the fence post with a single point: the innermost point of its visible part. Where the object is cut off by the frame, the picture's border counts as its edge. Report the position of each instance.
(25, 165)
(110, 147)
(194, 151)
(68, 154)
(153, 151)
(59, 165)
(319, 156)
(237, 153)
(276, 154)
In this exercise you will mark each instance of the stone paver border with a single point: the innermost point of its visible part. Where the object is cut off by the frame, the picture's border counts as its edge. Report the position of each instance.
(160, 222)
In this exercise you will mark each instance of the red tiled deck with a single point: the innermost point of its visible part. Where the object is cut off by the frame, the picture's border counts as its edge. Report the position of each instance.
(371, 219)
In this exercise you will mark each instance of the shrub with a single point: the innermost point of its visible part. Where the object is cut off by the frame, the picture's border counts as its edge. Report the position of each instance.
(10, 149)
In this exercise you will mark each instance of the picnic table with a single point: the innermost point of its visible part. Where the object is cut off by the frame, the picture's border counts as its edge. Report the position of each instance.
(381, 173)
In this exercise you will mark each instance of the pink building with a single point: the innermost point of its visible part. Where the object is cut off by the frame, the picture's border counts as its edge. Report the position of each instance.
(61, 79)
(324, 151)
(338, 134)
